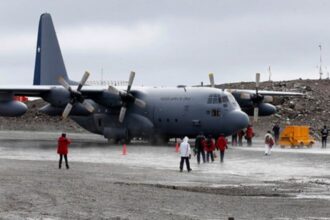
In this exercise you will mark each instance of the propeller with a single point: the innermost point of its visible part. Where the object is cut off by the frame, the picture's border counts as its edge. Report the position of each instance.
(75, 95)
(127, 97)
(256, 99)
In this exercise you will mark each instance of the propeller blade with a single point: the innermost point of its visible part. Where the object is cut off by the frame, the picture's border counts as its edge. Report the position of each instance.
(211, 77)
(130, 81)
(122, 114)
(255, 114)
(62, 81)
(67, 110)
(140, 103)
(88, 106)
(113, 90)
(83, 80)
(257, 80)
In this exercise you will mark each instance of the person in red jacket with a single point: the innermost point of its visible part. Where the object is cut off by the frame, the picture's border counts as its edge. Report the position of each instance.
(221, 145)
(209, 147)
(249, 134)
(62, 149)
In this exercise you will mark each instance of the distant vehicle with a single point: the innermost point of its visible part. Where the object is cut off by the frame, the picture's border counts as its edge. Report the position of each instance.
(120, 113)
(296, 136)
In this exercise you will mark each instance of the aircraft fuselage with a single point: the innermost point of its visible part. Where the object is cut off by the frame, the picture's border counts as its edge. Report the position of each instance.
(170, 112)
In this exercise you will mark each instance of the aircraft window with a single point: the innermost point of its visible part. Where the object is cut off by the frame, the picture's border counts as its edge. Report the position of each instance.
(214, 99)
(168, 120)
(225, 99)
(215, 113)
(232, 100)
(176, 120)
(159, 119)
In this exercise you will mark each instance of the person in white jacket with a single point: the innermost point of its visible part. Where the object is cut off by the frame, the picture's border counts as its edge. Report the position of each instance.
(269, 142)
(185, 153)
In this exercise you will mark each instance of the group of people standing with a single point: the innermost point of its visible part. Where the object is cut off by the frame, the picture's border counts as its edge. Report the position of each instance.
(204, 148)
(208, 145)
(248, 134)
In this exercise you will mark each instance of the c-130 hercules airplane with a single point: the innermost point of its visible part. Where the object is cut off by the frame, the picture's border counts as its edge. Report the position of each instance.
(156, 114)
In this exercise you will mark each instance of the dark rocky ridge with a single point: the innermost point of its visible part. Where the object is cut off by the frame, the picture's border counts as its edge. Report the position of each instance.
(313, 109)
(33, 120)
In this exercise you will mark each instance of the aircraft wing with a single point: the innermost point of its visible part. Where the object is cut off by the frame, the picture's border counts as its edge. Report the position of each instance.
(265, 92)
(38, 91)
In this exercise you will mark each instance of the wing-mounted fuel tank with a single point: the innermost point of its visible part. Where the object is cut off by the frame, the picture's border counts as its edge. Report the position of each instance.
(9, 107)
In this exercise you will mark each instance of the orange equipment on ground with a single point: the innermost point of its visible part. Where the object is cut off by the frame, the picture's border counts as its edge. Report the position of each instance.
(296, 136)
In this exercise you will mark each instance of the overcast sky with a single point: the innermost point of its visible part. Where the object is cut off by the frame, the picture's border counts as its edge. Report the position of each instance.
(170, 42)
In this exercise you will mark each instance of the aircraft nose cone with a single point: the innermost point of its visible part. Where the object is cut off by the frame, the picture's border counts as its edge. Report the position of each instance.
(239, 120)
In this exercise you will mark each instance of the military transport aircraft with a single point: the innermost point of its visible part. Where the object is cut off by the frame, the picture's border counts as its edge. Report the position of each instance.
(123, 113)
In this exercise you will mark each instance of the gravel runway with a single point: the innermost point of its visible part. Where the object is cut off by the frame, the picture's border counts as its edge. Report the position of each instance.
(146, 184)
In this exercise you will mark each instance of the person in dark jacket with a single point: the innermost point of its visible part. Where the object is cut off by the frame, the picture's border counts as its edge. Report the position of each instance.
(221, 145)
(209, 148)
(324, 135)
(62, 150)
(276, 130)
(199, 147)
(234, 139)
(240, 135)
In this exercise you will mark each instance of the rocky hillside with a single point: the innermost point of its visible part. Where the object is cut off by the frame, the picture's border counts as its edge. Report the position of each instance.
(313, 109)
(33, 120)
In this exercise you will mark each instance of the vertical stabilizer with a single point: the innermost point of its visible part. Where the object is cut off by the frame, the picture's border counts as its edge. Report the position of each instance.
(49, 65)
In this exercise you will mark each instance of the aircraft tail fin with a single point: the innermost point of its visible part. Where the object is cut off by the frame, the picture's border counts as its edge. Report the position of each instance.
(49, 64)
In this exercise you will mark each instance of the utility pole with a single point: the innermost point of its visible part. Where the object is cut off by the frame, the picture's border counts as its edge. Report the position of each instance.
(320, 70)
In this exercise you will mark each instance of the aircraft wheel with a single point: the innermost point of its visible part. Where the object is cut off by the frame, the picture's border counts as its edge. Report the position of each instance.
(111, 141)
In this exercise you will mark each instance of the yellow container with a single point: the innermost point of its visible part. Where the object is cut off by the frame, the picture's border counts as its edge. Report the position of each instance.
(296, 136)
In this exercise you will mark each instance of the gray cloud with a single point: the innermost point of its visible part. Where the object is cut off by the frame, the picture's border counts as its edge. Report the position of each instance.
(170, 42)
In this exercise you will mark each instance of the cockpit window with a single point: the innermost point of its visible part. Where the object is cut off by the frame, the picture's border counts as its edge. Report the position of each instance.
(232, 100)
(225, 99)
(214, 99)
